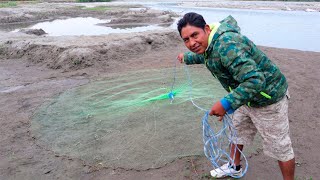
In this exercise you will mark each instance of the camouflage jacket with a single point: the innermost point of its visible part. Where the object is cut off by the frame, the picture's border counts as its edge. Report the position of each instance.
(239, 65)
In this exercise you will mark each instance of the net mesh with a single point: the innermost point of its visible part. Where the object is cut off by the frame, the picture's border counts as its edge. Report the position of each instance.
(128, 120)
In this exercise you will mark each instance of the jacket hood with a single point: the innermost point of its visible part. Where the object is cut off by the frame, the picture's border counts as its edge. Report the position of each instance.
(229, 24)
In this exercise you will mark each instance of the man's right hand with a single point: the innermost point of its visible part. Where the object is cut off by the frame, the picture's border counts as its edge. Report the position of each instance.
(180, 57)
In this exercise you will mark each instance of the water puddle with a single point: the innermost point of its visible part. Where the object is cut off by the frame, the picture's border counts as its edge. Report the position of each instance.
(87, 26)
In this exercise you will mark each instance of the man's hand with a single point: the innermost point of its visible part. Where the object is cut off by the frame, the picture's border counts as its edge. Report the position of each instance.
(217, 110)
(180, 57)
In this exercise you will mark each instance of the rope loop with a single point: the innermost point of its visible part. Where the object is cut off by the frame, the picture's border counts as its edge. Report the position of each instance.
(216, 144)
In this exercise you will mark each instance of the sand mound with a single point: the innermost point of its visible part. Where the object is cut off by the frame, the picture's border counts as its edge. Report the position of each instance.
(76, 53)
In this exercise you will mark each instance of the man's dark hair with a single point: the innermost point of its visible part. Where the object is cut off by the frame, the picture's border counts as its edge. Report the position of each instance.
(193, 19)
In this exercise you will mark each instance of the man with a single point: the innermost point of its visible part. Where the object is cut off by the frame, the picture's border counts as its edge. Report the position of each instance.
(258, 96)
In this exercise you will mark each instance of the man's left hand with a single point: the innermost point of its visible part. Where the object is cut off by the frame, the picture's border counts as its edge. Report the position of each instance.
(217, 110)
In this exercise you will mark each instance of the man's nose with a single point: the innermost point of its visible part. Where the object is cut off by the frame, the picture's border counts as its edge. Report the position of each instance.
(192, 42)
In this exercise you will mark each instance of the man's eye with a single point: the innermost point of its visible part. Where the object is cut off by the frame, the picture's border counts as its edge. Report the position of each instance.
(186, 40)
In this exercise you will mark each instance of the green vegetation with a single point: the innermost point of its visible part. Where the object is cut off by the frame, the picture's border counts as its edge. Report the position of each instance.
(8, 4)
(93, 0)
(98, 8)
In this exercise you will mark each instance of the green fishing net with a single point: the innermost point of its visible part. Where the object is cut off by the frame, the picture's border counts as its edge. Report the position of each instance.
(128, 120)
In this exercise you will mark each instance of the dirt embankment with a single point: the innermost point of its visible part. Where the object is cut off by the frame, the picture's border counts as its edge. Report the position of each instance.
(74, 53)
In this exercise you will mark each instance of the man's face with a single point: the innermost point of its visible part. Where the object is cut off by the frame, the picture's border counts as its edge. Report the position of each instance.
(195, 39)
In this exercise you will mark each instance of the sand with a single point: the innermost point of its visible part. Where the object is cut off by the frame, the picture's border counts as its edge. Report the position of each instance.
(36, 68)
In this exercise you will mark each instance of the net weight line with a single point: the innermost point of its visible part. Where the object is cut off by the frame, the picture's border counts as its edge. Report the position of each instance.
(215, 145)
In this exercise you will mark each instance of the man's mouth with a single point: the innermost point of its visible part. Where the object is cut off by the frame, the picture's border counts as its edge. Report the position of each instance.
(195, 49)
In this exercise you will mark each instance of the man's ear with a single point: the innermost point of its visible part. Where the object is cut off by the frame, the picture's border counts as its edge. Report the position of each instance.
(207, 29)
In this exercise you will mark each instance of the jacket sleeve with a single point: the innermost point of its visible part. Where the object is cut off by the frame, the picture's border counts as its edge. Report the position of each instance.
(235, 57)
(193, 58)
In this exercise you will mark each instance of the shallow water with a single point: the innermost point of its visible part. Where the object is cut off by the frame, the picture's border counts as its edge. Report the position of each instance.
(85, 26)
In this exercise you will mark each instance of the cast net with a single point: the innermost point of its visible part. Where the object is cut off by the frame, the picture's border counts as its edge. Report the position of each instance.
(128, 120)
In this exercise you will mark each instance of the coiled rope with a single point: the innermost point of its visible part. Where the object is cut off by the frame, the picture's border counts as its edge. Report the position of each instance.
(216, 144)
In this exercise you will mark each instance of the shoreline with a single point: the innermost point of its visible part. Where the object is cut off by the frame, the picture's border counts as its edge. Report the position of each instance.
(254, 5)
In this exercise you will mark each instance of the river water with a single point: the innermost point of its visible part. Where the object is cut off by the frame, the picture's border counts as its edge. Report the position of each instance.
(283, 29)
